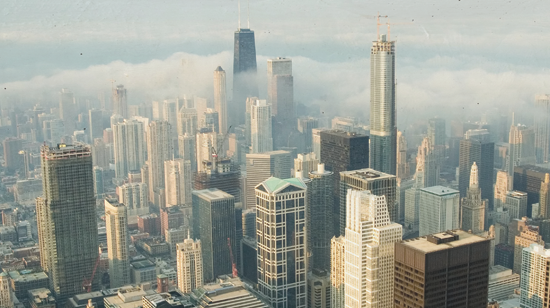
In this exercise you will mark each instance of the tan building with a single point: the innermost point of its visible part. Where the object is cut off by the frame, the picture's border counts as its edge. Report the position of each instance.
(318, 289)
(525, 238)
(189, 256)
(337, 271)
(116, 223)
(178, 182)
(220, 99)
(5, 292)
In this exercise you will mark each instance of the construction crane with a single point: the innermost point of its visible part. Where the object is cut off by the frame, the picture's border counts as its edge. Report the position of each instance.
(378, 23)
(87, 283)
(218, 149)
(233, 265)
(395, 23)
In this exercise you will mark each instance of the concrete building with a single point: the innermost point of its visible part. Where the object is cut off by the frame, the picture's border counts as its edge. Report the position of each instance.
(178, 182)
(429, 163)
(337, 271)
(305, 163)
(129, 147)
(174, 217)
(41, 298)
(135, 197)
(175, 236)
(439, 210)
(68, 204)
(516, 204)
(116, 223)
(524, 239)
(22, 281)
(503, 185)
(403, 169)
(502, 283)
(170, 115)
(534, 273)
(159, 150)
(205, 142)
(190, 273)
(12, 159)
(418, 262)
(438, 137)
(187, 122)
(318, 289)
(67, 110)
(5, 292)
(282, 280)
(120, 101)
(220, 98)
(261, 127)
(383, 125)
(226, 292)
(370, 240)
(186, 148)
(473, 208)
(542, 128)
(528, 179)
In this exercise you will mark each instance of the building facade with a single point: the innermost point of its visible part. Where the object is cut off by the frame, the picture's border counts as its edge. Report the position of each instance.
(189, 256)
(116, 223)
(439, 210)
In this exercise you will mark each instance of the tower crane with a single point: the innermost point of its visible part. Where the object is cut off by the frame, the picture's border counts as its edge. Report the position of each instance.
(233, 265)
(87, 283)
(218, 149)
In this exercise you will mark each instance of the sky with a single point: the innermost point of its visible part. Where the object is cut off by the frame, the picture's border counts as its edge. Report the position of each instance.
(455, 57)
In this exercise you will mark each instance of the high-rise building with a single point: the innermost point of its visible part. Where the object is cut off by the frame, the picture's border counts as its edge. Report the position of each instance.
(214, 225)
(260, 127)
(370, 240)
(378, 183)
(116, 223)
(542, 128)
(305, 163)
(223, 175)
(318, 289)
(201, 105)
(522, 147)
(383, 125)
(211, 120)
(189, 265)
(178, 182)
(244, 74)
(135, 196)
(159, 150)
(120, 101)
(439, 210)
(544, 201)
(174, 217)
(337, 271)
(67, 110)
(170, 115)
(187, 121)
(516, 204)
(429, 165)
(524, 239)
(534, 275)
(5, 291)
(186, 148)
(206, 141)
(220, 99)
(438, 138)
(473, 207)
(482, 153)
(280, 95)
(260, 167)
(528, 179)
(12, 159)
(66, 218)
(419, 262)
(129, 147)
(503, 185)
(53, 131)
(403, 168)
(320, 227)
(284, 285)
(95, 126)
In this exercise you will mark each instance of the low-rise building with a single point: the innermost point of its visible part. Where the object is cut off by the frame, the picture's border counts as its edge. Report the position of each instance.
(502, 283)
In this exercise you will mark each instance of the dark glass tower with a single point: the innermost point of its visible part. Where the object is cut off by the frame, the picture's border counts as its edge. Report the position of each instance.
(482, 153)
(244, 75)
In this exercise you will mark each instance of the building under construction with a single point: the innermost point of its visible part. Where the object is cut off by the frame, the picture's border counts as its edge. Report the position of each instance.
(223, 175)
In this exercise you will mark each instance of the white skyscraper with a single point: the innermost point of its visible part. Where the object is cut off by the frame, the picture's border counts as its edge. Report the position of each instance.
(439, 209)
(116, 222)
(473, 207)
(189, 258)
(261, 127)
(203, 148)
(220, 100)
(135, 196)
(120, 101)
(306, 163)
(159, 150)
(369, 251)
(534, 277)
(178, 182)
(503, 185)
(187, 121)
(542, 128)
(170, 115)
(129, 147)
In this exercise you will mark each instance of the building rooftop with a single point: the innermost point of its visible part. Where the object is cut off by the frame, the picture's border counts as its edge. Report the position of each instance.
(366, 174)
(440, 190)
(142, 264)
(343, 134)
(26, 276)
(274, 184)
(443, 241)
(516, 194)
(212, 194)
(231, 291)
(267, 154)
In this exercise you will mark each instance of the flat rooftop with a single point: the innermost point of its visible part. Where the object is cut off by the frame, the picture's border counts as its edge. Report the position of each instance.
(424, 245)
(366, 174)
(212, 194)
(440, 190)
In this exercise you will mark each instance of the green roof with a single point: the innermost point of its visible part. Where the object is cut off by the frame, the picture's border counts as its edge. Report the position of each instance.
(274, 184)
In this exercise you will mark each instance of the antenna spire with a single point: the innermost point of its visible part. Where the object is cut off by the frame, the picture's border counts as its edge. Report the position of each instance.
(239, 3)
(248, 13)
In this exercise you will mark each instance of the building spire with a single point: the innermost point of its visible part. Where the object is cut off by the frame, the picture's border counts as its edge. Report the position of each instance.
(239, 4)
(474, 178)
(248, 13)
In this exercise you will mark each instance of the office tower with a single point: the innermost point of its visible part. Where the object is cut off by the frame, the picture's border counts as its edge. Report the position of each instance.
(534, 276)
(473, 207)
(306, 163)
(280, 95)
(157, 111)
(186, 148)
(12, 159)
(524, 239)
(516, 204)
(542, 128)
(201, 105)
(244, 75)
(178, 182)
(337, 271)
(5, 291)
(438, 138)
(400, 197)
(342, 151)
(220, 99)
(544, 201)
(174, 217)
(120, 101)
(427, 158)
(223, 175)
(211, 120)
(260, 127)
(319, 217)
(439, 210)
(316, 142)
(170, 115)
(159, 150)
(95, 125)
(318, 289)
(528, 179)
(189, 256)
(277, 66)
(403, 168)
(135, 196)
(522, 147)
(284, 286)
(214, 225)
(412, 196)
(174, 236)
(383, 129)
(370, 240)
(99, 183)
(260, 167)
(206, 141)
(67, 111)
(129, 147)
(187, 121)
(482, 153)
(53, 130)
(66, 218)
(378, 183)
(116, 118)
(419, 261)
(116, 223)
(503, 185)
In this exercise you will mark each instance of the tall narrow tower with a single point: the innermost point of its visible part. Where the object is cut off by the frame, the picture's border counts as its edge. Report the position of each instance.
(120, 101)
(473, 207)
(383, 127)
(189, 258)
(220, 99)
(244, 74)
(159, 150)
(129, 147)
(66, 218)
(260, 127)
(116, 223)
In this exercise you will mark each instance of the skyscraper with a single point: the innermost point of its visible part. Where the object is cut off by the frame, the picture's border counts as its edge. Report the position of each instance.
(12, 158)
(534, 275)
(260, 127)
(370, 240)
(159, 150)
(67, 110)
(526, 237)
(528, 179)
(186, 148)
(95, 123)
(522, 147)
(439, 210)
(244, 74)
(337, 271)
(178, 182)
(188, 122)
(473, 207)
(135, 196)
(223, 175)
(116, 223)
(438, 137)
(214, 225)
(280, 94)
(220, 100)
(305, 163)
(189, 265)
(542, 128)
(206, 141)
(545, 197)
(419, 261)
(130, 147)
(402, 169)
(427, 159)
(383, 126)
(120, 101)
(503, 184)
(66, 218)
(284, 285)
(480, 151)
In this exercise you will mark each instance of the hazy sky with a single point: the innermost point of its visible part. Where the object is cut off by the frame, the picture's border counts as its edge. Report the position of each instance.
(476, 55)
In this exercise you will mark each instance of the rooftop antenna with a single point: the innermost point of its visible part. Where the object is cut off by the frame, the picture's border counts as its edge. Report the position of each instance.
(248, 13)
(378, 24)
(239, 2)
